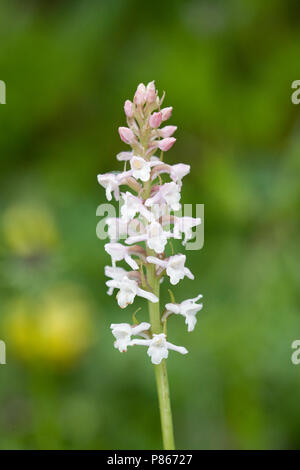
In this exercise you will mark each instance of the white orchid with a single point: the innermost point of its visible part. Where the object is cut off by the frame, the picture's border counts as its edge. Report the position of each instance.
(178, 171)
(115, 273)
(128, 289)
(168, 193)
(141, 168)
(118, 252)
(111, 183)
(123, 332)
(146, 224)
(188, 309)
(132, 206)
(117, 228)
(174, 266)
(154, 235)
(158, 347)
(185, 225)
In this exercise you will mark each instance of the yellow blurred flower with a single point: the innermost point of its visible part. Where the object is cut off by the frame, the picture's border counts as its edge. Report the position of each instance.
(56, 330)
(21, 328)
(29, 229)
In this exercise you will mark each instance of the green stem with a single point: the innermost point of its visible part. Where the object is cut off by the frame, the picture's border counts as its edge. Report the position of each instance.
(160, 369)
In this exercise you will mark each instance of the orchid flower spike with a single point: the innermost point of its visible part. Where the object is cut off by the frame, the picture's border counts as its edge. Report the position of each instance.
(123, 332)
(188, 309)
(140, 236)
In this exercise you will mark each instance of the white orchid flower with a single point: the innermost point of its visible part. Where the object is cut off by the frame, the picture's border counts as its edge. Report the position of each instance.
(114, 273)
(132, 206)
(117, 228)
(119, 252)
(185, 225)
(160, 210)
(158, 347)
(111, 183)
(188, 309)
(128, 289)
(141, 168)
(174, 267)
(123, 332)
(168, 193)
(154, 235)
(177, 172)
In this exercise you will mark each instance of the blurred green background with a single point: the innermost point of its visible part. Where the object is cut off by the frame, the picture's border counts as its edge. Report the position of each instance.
(227, 69)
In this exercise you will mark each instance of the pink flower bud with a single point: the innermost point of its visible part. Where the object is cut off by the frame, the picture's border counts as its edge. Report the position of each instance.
(167, 131)
(127, 135)
(155, 119)
(128, 108)
(140, 94)
(151, 92)
(166, 113)
(166, 144)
